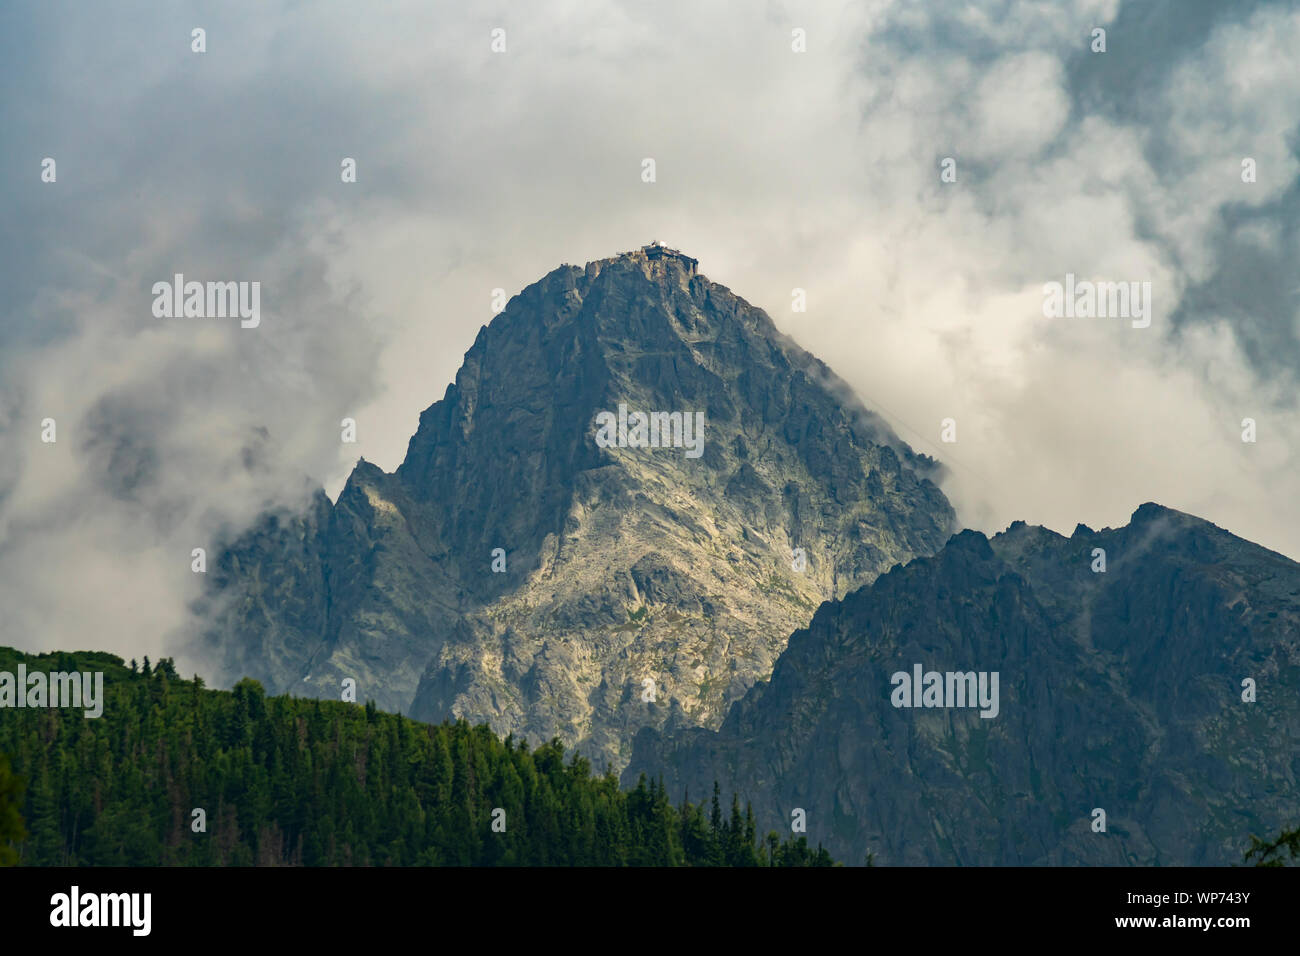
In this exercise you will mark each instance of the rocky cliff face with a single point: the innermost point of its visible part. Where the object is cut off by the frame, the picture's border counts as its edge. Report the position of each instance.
(633, 586)
(1119, 690)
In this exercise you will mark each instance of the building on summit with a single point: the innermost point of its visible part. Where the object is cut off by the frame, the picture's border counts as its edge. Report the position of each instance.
(656, 250)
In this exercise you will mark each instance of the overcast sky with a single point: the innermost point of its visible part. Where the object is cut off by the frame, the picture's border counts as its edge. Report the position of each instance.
(777, 169)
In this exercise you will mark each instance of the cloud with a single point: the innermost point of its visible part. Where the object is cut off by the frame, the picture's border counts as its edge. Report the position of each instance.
(776, 169)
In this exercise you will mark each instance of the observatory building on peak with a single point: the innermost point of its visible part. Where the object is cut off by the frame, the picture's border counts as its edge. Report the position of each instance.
(656, 250)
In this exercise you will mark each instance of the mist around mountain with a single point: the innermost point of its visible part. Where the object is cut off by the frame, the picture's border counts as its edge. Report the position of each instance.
(646, 523)
(528, 567)
(1155, 698)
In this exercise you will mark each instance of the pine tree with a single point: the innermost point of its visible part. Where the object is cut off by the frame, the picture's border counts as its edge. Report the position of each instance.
(1269, 853)
(11, 821)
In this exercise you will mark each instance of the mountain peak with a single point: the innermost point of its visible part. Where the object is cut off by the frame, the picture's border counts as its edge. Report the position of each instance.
(657, 251)
(521, 568)
(1150, 510)
(652, 258)
(1150, 515)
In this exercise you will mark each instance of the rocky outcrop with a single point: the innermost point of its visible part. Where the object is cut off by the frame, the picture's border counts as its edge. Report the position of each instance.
(1120, 690)
(516, 570)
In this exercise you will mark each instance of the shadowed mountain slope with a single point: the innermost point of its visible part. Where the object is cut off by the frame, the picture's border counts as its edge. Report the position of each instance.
(1120, 691)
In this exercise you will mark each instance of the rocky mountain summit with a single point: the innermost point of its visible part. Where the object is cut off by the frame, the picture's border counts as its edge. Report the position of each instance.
(633, 493)
(1160, 690)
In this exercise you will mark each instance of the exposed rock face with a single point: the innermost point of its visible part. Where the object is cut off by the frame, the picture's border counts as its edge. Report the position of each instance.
(623, 565)
(1119, 690)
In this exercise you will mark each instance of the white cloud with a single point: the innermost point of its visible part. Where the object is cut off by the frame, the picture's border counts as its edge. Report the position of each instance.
(818, 170)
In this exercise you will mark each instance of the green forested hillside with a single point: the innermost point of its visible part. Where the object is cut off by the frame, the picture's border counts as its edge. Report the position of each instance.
(319, 783)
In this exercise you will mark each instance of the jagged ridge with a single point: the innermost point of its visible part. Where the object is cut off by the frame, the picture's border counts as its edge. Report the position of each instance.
(1120, 690)
(622, 564)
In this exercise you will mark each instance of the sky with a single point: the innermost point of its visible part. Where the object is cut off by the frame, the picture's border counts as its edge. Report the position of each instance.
(783, 161)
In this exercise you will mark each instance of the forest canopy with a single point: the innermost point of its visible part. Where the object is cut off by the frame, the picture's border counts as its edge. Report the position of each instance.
(175, 774)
